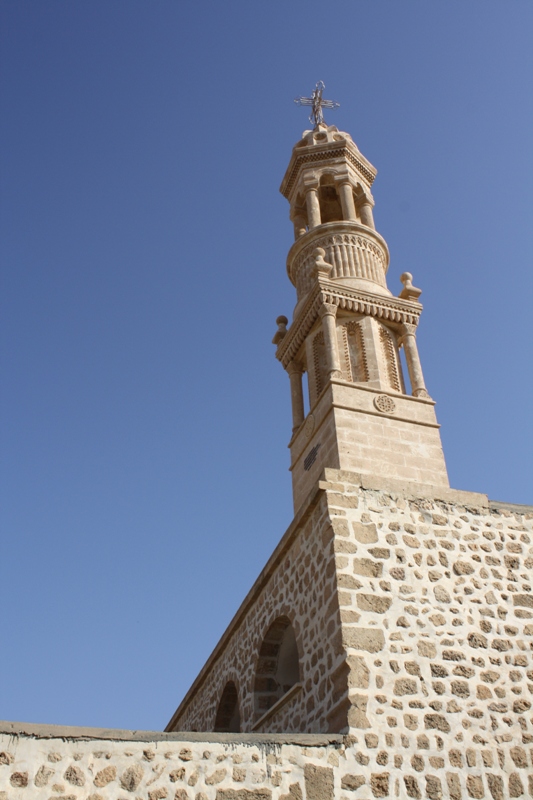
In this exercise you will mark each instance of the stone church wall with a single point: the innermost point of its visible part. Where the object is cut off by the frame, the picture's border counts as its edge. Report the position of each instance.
(43, 762)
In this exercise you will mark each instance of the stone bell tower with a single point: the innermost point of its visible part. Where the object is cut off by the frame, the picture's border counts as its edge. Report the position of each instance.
(348, 328)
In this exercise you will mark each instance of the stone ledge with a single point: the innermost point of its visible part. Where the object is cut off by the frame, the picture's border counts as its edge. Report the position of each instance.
(38, 731)
(409, 488)
(294, 690)
(518, 507)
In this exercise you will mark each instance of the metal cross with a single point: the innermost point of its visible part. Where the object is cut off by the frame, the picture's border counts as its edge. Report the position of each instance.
(317, 102)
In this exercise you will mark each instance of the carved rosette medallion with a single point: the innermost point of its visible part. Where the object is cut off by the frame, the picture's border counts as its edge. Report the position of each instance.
(309, 426)
(385, 404)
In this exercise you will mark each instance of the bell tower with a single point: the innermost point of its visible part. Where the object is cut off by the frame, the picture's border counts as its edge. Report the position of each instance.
(348, 328)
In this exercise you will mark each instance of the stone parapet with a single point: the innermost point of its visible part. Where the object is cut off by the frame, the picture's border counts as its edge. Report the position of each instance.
(40, 762)
(358, 255)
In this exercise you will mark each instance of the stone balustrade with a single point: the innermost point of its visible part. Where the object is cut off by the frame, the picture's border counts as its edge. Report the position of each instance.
(355, 252)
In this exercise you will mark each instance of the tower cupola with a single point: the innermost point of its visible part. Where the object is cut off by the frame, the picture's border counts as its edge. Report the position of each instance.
(327, 184)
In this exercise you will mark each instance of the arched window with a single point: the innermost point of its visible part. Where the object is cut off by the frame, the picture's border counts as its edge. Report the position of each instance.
(278, 668)
(330, 206)
(228, 718)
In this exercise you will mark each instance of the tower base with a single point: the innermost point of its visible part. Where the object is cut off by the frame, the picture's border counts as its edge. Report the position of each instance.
(363, 430)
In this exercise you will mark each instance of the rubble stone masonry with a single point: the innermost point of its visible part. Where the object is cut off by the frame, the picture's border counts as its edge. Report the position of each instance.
(44, 762)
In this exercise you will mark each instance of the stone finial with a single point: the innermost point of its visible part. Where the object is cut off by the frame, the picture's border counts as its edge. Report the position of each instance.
(281, 322)
(409, 292)
(321, 268)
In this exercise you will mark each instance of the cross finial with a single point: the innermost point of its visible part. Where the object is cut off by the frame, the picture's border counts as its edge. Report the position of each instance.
(317, 102)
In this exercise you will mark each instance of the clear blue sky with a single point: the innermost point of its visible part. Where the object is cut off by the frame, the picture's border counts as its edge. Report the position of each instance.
(144, 416)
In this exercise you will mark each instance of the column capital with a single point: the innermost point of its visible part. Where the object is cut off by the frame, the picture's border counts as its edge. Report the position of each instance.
(295, 367)
(365, 198)
(327, 310)
(310, 183)
(406, 329)
(296, 212)
(343, 177)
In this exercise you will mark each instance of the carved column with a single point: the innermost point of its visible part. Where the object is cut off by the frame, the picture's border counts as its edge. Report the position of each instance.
(313, 207)
(367, 217)
(347, 202)
(408, 340)
(328, 313)
(299, 226)
(295, 370)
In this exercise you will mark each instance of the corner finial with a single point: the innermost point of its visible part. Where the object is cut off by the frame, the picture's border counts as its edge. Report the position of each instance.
(281, 322)
(321, 269)
(409, 292)
(318, 103)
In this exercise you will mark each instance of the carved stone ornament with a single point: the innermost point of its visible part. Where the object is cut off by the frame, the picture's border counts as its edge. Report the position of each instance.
(409, 292)
(408, 330)
(327, 309)
(385, 404)
(309, 426)
(322, 269)
(281, 322)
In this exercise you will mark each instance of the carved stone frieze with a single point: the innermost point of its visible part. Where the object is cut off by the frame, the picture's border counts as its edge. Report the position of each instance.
(392, 309)
(391, 359)
(324, 155)
(356, 362)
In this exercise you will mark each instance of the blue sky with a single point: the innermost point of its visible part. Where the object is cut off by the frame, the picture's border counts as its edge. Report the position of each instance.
(144, 417)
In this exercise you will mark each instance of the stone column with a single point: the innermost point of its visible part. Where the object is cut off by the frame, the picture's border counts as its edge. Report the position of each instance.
(300, 226)
(313, 207)
(408, 340)
(347, 203)
(295, 371)
(367, 218)
(328, 313)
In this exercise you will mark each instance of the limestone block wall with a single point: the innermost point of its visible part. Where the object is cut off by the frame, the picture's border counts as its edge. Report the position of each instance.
(299, 583)
(43, 762)
(345, 430)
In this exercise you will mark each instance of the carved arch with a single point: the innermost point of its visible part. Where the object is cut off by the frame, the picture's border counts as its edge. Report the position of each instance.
(278, 665)
(328, 196)
(228, 717)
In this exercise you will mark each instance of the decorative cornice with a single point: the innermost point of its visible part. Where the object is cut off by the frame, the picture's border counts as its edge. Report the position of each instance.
(324, 155)
(392, 309)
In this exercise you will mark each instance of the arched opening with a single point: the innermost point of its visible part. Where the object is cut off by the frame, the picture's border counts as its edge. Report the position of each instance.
(278, 667)
(228, 718)
(330, 205)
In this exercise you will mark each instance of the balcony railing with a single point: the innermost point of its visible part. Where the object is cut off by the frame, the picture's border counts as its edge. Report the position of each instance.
(353, 250)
